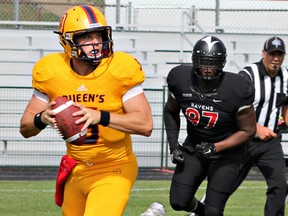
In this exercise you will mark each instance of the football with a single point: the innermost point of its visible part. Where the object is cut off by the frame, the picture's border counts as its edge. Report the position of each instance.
(65, 121)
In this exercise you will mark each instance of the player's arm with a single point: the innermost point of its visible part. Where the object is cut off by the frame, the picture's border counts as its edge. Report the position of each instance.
(27, 126)
(172, 121)
(137, 118)
(35, 106)
(246, 122)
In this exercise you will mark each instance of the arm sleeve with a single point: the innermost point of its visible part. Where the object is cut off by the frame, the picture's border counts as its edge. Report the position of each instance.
(134, 91)
(172, 126)
(41, 96)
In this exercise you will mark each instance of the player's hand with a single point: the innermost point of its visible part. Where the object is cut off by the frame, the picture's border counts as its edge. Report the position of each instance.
(205, 149)
(177, 156)
(88, 115)
(48, 115)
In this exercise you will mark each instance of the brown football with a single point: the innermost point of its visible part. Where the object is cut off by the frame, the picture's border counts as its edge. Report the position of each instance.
(65, 121)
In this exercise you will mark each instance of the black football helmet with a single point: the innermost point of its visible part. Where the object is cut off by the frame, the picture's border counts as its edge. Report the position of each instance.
(209, 57)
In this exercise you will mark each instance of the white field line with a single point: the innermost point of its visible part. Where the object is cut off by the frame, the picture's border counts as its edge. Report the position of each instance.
(201, 188)
(27, 190)
(133, 189)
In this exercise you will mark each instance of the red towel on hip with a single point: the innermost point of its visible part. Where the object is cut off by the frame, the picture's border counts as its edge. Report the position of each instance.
(66, 166)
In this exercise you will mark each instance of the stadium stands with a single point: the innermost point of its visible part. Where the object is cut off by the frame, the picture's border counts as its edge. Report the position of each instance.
(158, 53)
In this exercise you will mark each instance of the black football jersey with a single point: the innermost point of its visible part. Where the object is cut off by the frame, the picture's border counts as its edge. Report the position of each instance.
(210, 116)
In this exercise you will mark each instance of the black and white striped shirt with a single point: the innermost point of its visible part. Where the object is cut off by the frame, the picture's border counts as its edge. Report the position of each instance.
(270, 93)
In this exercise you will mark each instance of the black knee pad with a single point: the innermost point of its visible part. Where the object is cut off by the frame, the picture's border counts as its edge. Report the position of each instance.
(177, 206)
(180, 205)
(213, 211)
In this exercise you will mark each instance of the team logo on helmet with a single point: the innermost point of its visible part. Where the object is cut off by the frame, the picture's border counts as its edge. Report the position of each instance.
(209, 42)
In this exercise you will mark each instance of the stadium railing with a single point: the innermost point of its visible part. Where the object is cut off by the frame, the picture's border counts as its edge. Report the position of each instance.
(47, 148)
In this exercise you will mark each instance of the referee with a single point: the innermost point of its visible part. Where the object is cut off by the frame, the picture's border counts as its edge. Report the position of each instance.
(270, 80)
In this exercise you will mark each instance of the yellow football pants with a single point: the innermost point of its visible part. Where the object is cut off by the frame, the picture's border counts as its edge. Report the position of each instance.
(92, 191)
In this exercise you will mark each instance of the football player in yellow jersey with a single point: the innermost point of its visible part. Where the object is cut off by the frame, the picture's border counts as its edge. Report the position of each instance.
(107, 86)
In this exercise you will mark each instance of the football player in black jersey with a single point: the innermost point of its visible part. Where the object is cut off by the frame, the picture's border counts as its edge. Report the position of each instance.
(218, 107)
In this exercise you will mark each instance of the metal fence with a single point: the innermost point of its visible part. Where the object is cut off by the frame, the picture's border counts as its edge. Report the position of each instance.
(199, 16)
(47, 148)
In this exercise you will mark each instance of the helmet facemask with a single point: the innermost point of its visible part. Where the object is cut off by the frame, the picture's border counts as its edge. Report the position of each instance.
(208, 68)
(99, 51)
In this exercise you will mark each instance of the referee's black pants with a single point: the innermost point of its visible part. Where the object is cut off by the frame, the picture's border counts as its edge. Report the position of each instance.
(268, 156)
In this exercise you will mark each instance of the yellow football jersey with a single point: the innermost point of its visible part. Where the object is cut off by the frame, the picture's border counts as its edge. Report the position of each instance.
(102, 89)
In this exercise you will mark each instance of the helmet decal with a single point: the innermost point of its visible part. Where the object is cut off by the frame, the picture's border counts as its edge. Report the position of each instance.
(209, 42)
(62, 22)
(90, 14)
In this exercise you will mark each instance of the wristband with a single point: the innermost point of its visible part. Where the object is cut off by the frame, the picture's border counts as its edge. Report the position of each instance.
(37, 121)
(104, 118)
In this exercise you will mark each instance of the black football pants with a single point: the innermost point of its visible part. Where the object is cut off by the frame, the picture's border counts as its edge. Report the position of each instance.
(221, 176)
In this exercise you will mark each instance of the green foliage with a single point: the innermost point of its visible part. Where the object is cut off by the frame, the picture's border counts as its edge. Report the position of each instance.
(6, 12)
(28, 198)
(27, 12)
(92, 2)
(35, 11)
